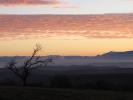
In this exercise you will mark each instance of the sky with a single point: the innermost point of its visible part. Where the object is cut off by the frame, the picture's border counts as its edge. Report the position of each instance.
(65, 6)
(86, 35)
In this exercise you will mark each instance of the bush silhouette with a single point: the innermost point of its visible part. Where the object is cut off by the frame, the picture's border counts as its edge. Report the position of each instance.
(60, 81)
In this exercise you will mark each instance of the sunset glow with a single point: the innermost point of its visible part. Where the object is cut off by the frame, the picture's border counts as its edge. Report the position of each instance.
(65, 27)
(75, 35)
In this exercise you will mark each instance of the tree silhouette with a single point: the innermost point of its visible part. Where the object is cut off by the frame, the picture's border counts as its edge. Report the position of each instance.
(24, 70)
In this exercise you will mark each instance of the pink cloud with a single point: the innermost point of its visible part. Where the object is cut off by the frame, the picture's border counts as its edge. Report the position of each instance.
(45, 26)
(28, 2)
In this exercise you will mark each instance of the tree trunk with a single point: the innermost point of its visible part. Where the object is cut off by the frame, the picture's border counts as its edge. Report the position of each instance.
(24, 83)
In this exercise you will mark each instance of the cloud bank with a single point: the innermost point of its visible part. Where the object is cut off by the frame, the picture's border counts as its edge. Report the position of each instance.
(56, 26)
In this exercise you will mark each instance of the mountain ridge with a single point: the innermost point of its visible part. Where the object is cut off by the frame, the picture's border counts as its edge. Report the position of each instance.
(107, 54)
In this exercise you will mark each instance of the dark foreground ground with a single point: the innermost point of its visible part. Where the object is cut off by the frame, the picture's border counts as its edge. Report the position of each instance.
(20, 93)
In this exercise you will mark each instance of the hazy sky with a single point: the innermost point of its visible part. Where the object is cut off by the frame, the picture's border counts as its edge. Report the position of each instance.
(65, 6)
(67, 35)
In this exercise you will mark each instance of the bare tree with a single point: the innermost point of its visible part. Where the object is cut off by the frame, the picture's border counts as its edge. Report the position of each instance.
(23, 70)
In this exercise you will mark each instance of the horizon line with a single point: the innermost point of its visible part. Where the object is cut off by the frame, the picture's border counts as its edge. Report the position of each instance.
(67, 55)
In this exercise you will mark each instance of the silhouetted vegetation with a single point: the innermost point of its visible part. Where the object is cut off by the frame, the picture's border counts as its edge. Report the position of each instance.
(114, 82)
(49, 78)
(68, 85)
(24, 70)
(60, 81)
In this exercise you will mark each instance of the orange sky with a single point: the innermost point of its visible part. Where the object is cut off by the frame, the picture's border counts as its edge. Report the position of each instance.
(65, 35)
(65, 47)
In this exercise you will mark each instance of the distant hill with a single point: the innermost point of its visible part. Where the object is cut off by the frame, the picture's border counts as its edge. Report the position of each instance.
(117, 55)
(111, 58)
(109, 55)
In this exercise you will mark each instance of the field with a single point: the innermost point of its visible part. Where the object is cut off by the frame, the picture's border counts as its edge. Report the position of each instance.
(27, 93)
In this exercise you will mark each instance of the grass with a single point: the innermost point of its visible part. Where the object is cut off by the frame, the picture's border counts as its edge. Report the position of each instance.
(20, 93)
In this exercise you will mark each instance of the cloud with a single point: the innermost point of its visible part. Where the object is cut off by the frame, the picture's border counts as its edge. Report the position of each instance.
(65, 27)
(28, 2)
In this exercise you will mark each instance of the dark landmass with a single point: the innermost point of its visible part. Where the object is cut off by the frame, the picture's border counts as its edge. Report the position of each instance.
(87, 81)
(21, 93)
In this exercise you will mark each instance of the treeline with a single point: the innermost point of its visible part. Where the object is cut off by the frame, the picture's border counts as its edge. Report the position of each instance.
(82, 82)
(116, 82)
